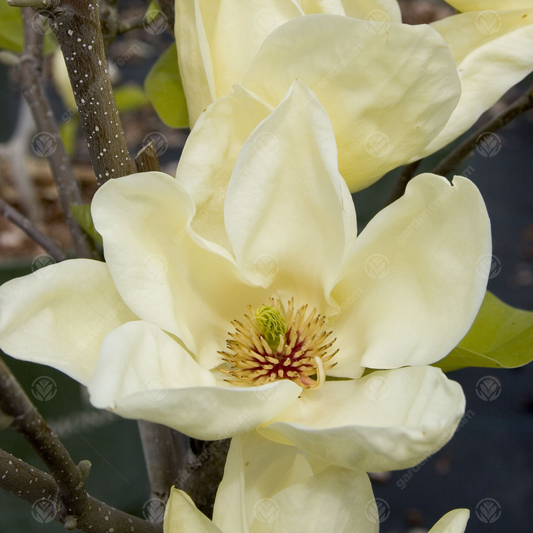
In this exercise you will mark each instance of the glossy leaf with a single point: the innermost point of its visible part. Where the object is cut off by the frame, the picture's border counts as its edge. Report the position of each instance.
(165, 91)
(501, 337)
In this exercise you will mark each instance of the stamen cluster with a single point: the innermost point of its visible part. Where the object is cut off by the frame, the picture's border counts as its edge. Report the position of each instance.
(298, 351)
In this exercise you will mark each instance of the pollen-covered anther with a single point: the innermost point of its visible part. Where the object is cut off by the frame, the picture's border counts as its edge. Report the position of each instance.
(270, 345)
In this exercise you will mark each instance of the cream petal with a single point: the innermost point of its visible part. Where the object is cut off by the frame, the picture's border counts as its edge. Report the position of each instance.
(256, 468)
(389, 89)
(384, 421)
(416, 278)
(486, 5)
(238, 31)
(59, 315)
(493, 51)
(182, 516)
(208, 159)
(142, 373)
(269, 487)
(291, 205)
(194, 58)
(453, 522)
(378, 10)
(160, 271)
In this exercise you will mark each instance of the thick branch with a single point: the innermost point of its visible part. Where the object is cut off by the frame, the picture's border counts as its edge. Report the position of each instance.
(45, 242)
(30, 424)
(147, 160)
(77, 27)
(39, 489)
(163, 458)
(519, 106)
(48, 142)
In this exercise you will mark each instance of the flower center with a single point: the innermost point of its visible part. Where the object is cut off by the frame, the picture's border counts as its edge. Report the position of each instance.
(272, 345)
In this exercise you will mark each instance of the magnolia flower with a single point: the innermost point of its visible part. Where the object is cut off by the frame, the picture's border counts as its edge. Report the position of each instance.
(272, 488)
(388, 93)
(160, 331)
(383, 116)
(492, 44)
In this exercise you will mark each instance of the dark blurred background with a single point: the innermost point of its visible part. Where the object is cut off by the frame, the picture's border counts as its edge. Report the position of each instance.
(488, 465)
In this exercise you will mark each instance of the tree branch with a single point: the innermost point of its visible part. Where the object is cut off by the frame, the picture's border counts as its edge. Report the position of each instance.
(77, 27)
(50, 145)
(45, 242)
(77, 509)
(40, 489)
(519, 106)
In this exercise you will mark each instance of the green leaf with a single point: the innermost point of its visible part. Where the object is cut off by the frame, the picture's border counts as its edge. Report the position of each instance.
(82, 214)
(69, 134)
(165, 91)
(500, 337)
(130, 97)
(11, 30)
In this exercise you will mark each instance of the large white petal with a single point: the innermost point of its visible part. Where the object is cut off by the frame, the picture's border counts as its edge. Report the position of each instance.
(287, 201)
(209, 156)
(416, 279)
(182, 516)
(389, 89)
(59, 315)
(387, 420)
(269, 487)
(379, 10)
(144, 373)
(453, 522)
(238, 31)
(160, 271)
(194, 58)
(486, 5)
(493, 51)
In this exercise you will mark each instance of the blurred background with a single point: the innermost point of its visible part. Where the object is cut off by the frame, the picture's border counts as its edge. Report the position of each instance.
(488, 465)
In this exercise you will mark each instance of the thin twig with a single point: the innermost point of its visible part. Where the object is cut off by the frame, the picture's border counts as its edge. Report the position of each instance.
(405, 177)
(49, 139)
(42, 492)
(519, 106)
(78, 510)
(76, 25)
(45, 242)
(146, 160)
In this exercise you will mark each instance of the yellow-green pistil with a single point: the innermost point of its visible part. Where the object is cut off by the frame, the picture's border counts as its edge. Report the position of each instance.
(272, 345)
